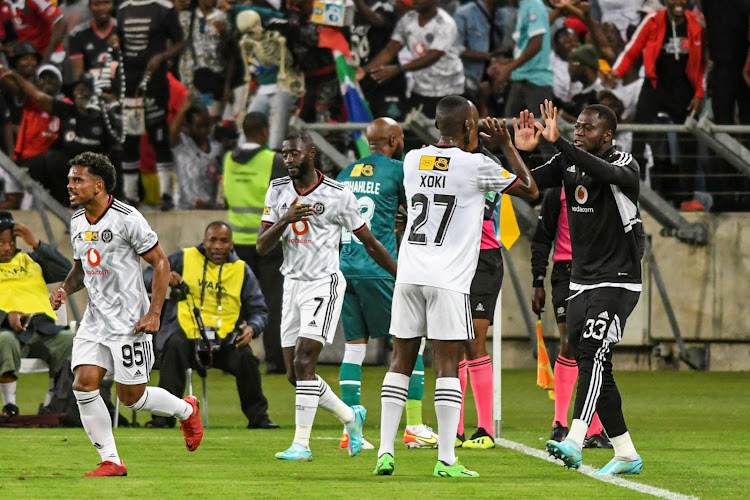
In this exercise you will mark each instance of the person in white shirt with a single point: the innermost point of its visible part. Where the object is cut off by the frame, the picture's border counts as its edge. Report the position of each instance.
(445, 190)
(307, 211)
(109, 239)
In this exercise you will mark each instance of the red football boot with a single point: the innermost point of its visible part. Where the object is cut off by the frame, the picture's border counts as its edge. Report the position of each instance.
(106, 469)
(192, 427)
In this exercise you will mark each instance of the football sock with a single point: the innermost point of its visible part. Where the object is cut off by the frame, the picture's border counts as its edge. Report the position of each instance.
(8, 390)
(595, 427)
(462, 377)
(50, 392)
(448, 411)
(164, 171)
(98, 424)
(329, 401)
(130, 177)
(161, 402)
(306, 400)
(624, 447)
(416, 391)
(350, 374)
(566, 374)
(577, 431)
(392, 401)
(482, 386)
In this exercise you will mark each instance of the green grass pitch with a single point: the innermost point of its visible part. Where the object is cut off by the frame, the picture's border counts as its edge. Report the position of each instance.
(690, 428)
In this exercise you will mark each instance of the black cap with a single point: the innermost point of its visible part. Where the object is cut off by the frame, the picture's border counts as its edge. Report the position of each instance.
(24, 49)
(6, 221)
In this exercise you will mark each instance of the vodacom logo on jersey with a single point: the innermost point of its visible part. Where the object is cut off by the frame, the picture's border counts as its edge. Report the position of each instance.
(300, 228)
(94, 258)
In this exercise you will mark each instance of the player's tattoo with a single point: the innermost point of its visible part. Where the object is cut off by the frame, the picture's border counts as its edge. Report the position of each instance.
(74, 280)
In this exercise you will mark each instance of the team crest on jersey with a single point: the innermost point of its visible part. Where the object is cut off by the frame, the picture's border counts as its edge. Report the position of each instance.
(106, 236)
(434, 163)
(361, 169)
(582, 194)
(319, 208)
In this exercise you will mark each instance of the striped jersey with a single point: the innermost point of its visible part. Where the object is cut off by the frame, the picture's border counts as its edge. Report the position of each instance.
(445, 191)
(311, 246)
(110, 249)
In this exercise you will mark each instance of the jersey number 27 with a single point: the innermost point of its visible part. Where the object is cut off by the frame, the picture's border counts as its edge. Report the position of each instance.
(423, 202)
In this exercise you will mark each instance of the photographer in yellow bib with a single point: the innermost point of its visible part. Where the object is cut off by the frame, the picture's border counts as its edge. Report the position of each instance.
(28, 325)
(215, 309)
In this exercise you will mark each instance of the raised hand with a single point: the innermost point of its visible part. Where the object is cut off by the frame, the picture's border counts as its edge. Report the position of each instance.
(497, 135)
(526, 135)
(549, 115)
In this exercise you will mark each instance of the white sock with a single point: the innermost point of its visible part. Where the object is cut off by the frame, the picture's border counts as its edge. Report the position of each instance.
(577, 433)
(164, 170)
(421, 345)
(328, 400)
(354, 354)
(130, 182)
(306, 400)
(624, 447)
(448, 411)
(50, 392)
(392, 402)
(98, 424)
(161, 402)
(8, 390)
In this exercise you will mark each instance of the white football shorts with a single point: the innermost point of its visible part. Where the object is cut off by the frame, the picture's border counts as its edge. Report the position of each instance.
(130, 360)
(311, 309)
(427, 311)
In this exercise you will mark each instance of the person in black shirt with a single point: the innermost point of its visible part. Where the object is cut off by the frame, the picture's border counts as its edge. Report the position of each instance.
(89, 43)
(144, 27)
(607, 241)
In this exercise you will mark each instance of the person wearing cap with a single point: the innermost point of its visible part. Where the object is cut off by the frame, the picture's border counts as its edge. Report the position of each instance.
(24, 60)
(583, 68)
(28, 325)
(248, 172)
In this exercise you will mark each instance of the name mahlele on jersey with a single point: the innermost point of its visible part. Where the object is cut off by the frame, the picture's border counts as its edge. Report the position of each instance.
(363, 187)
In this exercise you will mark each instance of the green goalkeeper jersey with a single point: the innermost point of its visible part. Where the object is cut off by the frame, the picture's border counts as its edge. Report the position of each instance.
(378, 184)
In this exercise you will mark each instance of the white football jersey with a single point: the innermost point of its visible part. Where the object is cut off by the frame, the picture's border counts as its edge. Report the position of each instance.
(311, 247)
(445, 189)
(110, 249)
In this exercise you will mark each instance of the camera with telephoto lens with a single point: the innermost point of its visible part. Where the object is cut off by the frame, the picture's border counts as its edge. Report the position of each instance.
(216, 342)
(179, 292)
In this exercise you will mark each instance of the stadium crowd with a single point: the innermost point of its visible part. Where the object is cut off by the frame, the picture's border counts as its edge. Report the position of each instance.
(165, 99)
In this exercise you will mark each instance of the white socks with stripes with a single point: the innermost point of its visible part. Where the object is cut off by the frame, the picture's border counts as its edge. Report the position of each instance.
(392, 401)
(330, 401)
(306, 401)
(161, 402)
(98, 424)
(448, 411)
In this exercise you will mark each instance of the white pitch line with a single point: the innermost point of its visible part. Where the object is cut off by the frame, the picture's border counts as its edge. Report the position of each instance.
(588, 470)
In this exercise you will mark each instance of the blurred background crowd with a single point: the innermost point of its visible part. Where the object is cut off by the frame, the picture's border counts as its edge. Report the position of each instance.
(164, 89)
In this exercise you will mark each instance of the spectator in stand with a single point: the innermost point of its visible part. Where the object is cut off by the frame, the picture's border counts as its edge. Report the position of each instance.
(6, 128)
(623, 141)
(480, 36)
(430, 36)
(146, 49)
(12, 195)
(206, 64)
(530, 69)
(24, 59)
(196, 156)
(41, 23)
(623, 14)
(81, 128)
(564, 41)
(374, 22)
(671, 42)
(89, 43)
(584, 70)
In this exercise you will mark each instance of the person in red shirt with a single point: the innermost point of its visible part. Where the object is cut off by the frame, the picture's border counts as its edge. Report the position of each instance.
(41, 23)
(672, 43)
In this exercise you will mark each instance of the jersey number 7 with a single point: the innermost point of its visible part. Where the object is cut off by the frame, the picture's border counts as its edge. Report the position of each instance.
(421, 200)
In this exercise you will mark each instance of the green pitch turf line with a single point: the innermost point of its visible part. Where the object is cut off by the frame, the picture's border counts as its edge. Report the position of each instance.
(587, 470)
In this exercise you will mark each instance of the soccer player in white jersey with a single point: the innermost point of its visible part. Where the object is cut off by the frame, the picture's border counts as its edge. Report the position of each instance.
(445, 190)
(307, 210)
(109, 239)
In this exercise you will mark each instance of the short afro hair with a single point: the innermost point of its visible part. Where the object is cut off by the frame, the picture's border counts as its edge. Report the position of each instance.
(99, 165)
(605, 114)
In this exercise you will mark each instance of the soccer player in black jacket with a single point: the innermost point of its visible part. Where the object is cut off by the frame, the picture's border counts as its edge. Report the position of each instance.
(602, 186)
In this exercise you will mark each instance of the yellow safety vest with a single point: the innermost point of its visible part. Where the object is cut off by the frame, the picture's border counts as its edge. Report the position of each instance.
(22, 287)
(232, 277)
(245, 186)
